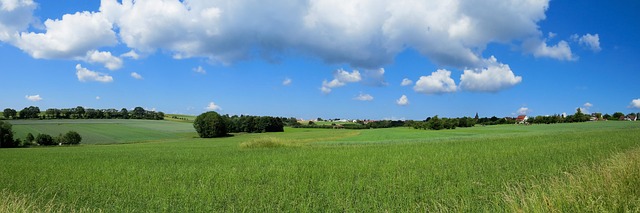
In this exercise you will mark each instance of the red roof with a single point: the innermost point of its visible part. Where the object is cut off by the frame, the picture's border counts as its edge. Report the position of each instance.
(521, 117)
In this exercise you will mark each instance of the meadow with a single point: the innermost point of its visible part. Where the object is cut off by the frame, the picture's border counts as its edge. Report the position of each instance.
(160, 166)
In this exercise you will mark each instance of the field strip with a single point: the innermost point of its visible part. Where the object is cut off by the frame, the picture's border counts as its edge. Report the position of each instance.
(611, 185)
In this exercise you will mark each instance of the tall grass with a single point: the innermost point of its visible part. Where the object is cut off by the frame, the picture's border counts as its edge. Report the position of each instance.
(613, 186)
(394, 170)
(15, 203)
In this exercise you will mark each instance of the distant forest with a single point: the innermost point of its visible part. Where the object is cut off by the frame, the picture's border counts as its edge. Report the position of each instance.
(33, 112)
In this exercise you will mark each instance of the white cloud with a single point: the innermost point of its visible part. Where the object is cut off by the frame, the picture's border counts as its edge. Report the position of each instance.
(131, 54)
(438, 82)
(287, 82)
(15, 16)
(635, 103)
(33, 97)
(402, 101)
(375, 77)
(590, 41)
(494, 77)
(110, 62)
(364, 97)
(72, 37)
(341, 78)
(200, 70)
(213, 107)
(587, 105)
(539, 48)
(552, 35)
(136, 75)
(366, 34)
(85, 75)
(523, 111)
(406, 82)
(98, 98)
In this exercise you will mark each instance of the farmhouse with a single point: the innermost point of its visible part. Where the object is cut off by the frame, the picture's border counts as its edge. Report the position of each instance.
(521, 119)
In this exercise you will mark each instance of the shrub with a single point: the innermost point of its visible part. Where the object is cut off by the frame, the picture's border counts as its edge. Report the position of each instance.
(211, 125)
(72, 137)
(45, 140)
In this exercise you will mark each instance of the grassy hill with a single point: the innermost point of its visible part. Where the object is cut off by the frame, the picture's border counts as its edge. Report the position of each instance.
(103, 131)
(494, 168)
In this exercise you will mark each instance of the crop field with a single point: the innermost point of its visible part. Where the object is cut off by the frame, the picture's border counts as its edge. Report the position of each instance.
(107, 131)
(159, 166)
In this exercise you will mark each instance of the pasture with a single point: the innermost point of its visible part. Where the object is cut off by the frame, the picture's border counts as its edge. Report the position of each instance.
(161, 167)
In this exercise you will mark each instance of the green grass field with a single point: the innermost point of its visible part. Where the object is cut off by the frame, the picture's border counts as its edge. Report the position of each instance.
(561, 167)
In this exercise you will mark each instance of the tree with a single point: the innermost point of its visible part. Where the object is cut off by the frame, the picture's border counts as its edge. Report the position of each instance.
(606, 116)
(29, 138)
(45, 140)
(80, 111)
(138, 113)
(10, 113)
(71, 137)
(617, 115)
(124, 113)
(6, 136)
(210, 125)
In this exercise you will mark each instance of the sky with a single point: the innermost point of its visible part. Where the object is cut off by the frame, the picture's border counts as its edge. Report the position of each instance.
(352, 59)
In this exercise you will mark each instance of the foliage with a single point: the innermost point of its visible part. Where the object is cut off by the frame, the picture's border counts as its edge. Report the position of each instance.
(6, 135)
(9, 113)
(45, 140)
(254, 124)
(71, 137)
(211, 125)
(30, 112)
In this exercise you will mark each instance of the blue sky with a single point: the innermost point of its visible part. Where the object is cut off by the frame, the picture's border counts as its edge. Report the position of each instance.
(330, 59)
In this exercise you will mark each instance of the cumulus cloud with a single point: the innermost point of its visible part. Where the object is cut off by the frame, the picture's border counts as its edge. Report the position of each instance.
(340, 78)
(494, 77)
(136, 75)
(364, 97)
(98, 98)
(523, 111)
(635, 103)
(287, 82)
(362, 34)
(131, 54)
(366, 34)
(540, 48)
(213, 107)
(72, 37)
(15, 16)
(110, 62)
(587, 105)
(200, 70)
(374, 77)
(406, 82)
(33, 97)
(85, 75)
(438, 82)
(590, 41)
(402, 101)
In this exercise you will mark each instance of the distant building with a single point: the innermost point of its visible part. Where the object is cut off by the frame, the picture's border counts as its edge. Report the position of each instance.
(521, 119)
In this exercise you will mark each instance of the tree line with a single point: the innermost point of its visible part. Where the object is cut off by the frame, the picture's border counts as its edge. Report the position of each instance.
(211, 124)
(7, 139)
(33, 112)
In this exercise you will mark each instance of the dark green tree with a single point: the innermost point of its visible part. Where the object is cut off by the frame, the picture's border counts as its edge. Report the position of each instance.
(29, 138)
(45, 140)
(72, 137)
(6, 136)
(617, 115)
(10, 113)
(210, 125)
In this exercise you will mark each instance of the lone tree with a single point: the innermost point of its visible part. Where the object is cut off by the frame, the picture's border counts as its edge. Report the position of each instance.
(72, 137)
(211, 125)
(6, 136)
